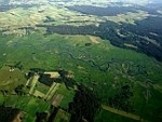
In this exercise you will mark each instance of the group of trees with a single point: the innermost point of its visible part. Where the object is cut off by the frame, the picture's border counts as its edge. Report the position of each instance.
(21, 90)
(84, 106)
(121, 100)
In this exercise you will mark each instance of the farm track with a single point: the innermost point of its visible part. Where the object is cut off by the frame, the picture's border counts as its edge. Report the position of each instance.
(123, 113)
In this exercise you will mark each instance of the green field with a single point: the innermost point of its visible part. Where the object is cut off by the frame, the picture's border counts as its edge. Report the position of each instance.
(87, 64)
(11, 79)
(67, 96)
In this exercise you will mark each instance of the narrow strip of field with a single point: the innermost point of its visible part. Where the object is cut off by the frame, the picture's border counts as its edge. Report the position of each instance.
(34, 82)
(123, 113)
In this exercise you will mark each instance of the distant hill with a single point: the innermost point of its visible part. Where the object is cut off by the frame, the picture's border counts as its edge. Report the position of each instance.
(9, 2)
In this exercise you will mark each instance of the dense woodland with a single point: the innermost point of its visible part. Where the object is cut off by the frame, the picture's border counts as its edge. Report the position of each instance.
(117, 8)
(100, 11)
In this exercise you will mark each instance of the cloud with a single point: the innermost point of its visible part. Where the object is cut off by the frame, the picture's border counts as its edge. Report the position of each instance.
(133, 1)
(138, 1)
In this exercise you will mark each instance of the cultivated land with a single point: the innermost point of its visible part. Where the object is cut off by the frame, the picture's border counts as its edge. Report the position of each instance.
(126, 82)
